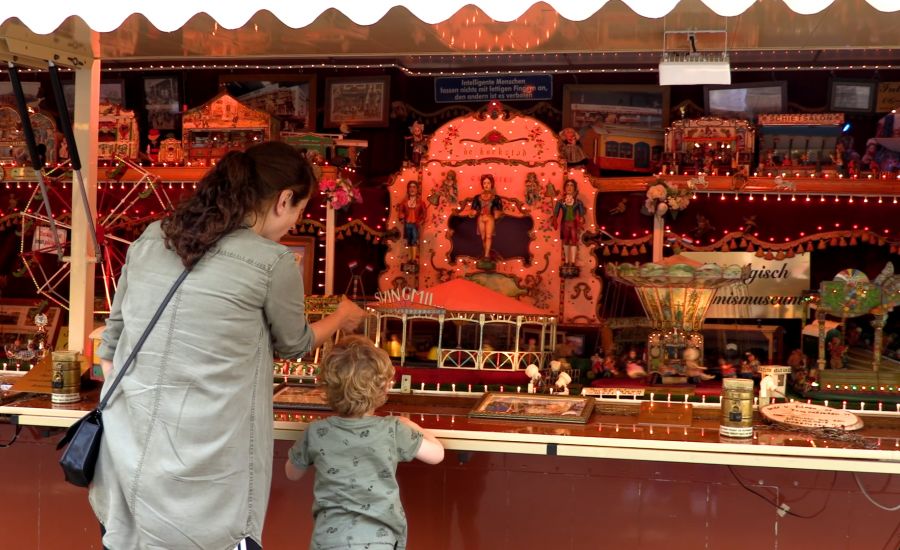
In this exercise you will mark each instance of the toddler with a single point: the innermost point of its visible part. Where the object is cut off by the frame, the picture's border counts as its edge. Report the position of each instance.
(356, 497)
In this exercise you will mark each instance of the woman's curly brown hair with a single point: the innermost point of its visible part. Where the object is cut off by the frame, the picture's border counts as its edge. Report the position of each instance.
(242, 184)
(357, 376)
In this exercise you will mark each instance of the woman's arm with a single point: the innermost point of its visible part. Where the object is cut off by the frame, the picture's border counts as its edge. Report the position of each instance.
(347, 317)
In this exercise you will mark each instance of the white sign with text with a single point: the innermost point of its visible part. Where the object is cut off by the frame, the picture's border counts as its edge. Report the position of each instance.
(774, 289)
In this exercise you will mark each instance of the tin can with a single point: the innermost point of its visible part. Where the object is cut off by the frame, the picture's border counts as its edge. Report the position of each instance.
(737, 408)
(66, 378)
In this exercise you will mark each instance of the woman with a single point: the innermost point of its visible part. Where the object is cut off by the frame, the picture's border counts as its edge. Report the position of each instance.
(186, 458)
(487, 206)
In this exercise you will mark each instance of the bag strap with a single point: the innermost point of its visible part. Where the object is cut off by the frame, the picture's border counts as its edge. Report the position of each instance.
(140, 342)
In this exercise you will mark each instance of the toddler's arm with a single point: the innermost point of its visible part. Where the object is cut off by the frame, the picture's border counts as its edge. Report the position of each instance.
(292, 472)
(431, 451)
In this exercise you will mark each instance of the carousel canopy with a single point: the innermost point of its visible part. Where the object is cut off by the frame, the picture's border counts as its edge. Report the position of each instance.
(461, 295)
(456, 34)
(170, 15)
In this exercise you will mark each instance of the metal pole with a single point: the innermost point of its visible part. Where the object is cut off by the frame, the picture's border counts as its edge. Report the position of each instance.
(36, 160)
(66, 125)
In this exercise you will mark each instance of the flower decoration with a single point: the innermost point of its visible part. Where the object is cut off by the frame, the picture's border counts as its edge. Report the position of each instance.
(663, 197)
(537, 136)
(452, 135)
(340, 193)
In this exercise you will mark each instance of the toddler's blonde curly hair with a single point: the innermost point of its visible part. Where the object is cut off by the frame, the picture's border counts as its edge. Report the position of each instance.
(357, 376)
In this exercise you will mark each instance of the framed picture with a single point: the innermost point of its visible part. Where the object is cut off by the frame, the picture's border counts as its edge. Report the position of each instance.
(110, 92)
(576, 342)
(304, 249)
(161, 101)
(640, 106)
(357, 101)
(745, 101)
(30, 89)
(851, 96)
(289, 98)
(289, 396)
(547, 408)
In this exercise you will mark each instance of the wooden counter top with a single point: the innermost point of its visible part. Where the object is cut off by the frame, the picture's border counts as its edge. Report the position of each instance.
(612, 431)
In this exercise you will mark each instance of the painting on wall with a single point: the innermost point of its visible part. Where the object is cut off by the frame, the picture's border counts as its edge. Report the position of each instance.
(304, 254)
(357, 101)
(161, 101)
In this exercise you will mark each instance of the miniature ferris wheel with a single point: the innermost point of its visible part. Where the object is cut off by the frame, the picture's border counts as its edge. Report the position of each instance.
(124, 209)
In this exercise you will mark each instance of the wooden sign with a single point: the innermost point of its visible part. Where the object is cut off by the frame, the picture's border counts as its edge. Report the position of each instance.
(805, 415)
(666, 414)
(613, 391)
(888, 97)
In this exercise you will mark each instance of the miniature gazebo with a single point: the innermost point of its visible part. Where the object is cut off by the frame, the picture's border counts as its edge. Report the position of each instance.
(472, 327)
(676, 294)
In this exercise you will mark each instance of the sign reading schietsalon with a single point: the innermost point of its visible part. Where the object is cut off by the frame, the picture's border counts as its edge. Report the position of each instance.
(773, 290)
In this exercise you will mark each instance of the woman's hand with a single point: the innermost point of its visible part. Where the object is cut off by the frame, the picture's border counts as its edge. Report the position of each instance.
(350, 315)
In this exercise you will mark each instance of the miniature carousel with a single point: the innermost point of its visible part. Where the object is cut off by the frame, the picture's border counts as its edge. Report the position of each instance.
(675, 294)
(448, 326)
(851, 294)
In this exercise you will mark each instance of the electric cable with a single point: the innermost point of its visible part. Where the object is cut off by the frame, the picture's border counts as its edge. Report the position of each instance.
(872, 500)
(781, 506)
(13, 439)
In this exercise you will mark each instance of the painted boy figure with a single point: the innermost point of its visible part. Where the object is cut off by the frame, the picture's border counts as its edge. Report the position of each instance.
(568, 216)
(412, 213)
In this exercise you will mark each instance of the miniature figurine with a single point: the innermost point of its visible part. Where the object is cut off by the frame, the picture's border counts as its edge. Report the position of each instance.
(534, 377)
(532, 189)
(393, 346)
(704, 227)
(572, 210)
(487, 206)
(869, 159)
(749, 366)
(418, 143)
(726, 368)
(412, 212)
(610, 370)
(634, 367)
(837, 351)
(692, 366)
(619, 208)
(153, 145)
(570, 149)
(449, 190)
(768, 388)
(562, 383)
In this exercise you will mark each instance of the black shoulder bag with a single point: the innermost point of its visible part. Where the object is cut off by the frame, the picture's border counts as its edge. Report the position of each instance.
(83, 437)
